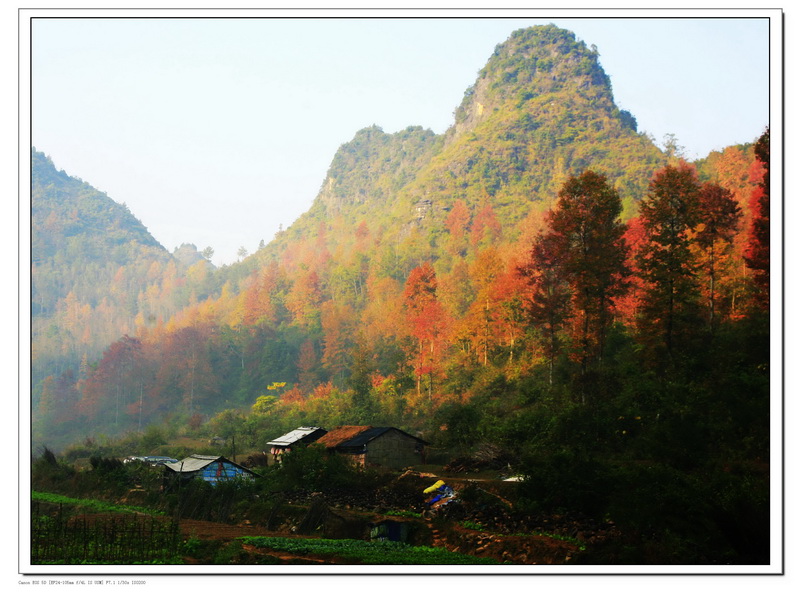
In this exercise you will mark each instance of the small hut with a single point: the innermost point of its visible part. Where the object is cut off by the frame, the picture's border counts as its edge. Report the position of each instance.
(212, 469)
(302, 436)
(387, 447)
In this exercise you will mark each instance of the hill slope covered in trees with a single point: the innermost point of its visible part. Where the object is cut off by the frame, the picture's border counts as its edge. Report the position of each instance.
(96, 274)
(326, 307)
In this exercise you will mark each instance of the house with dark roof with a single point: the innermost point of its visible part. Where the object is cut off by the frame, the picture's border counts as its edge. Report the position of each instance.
(302, 436)
(212, 469)
(375, 446)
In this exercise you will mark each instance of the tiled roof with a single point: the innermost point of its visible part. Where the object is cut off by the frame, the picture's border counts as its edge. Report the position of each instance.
(365, 436)
(372, 433)
(356, 436)
(340, 435)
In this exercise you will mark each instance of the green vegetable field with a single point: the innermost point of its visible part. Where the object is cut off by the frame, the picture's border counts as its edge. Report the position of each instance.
(366, 552)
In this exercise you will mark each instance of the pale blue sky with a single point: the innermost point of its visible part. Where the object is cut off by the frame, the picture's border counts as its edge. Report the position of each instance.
(215, 132)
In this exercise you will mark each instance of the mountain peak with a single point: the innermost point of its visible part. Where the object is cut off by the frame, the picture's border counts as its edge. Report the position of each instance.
(533, 63)
(540, 110)
(374, 164)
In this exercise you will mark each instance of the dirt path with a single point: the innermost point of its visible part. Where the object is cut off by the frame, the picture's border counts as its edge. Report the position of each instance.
(226, 533)
(205, 530)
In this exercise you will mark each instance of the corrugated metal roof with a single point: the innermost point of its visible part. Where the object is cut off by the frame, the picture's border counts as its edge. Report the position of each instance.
(294, 436)
(198, 462)
(211, 469)
(195, 462)
(341, 434)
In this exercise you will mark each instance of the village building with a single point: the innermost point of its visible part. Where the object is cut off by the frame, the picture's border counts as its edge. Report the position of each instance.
(375, 446)
(212, 469)
(302, 436)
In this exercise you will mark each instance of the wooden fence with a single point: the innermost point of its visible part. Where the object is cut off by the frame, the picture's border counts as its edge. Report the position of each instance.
(122, 539)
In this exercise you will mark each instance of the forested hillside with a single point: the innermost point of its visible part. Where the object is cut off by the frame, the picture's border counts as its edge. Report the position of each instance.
(541, 281)
(330, 302)
(96, 274)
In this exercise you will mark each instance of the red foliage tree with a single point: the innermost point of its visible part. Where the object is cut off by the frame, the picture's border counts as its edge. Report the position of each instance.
(456, 223)
(757, 254)
(670, 213)
(548, 298)
(577, 266)
(304, 298)
(587, 236)
(117, 382)
(428, 322)
(719, 217)
(627, 305)
(485, 226)
(307, 365)
(336, 342)
(509, 317)
(185, 371)
(258, 300)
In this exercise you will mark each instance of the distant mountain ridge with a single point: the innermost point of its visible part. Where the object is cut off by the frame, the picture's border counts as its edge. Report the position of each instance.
(74, 223)
(96, 271)
(68, 209)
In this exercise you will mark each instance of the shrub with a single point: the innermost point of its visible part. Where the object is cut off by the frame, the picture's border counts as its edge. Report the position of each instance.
(109, 475)
(311, 468)
(48, 473)
(740, 510)
(197, 499)
(675, 516)
(463, 425)
(564, 481)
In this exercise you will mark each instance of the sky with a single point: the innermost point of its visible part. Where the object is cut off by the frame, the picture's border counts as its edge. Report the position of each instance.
(217, 132)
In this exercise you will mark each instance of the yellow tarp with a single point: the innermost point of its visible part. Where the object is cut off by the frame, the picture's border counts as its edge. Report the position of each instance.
(434, 487)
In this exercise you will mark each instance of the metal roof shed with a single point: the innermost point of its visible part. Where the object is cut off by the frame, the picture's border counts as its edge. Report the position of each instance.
(305, 435)
(212, 469)
(301, 436)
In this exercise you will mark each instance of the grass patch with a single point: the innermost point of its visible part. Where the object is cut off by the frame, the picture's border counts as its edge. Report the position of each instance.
(403, 513)
(91, 504)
